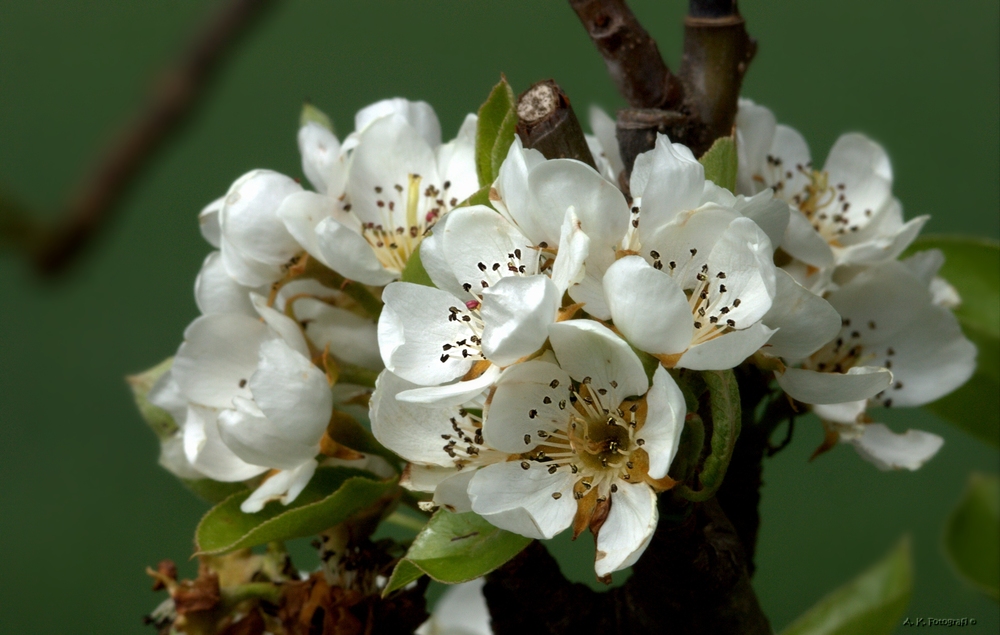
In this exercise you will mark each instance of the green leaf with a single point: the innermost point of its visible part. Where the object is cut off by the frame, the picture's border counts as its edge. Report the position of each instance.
(970, 535)
(414, 271)
(495, 131)
(724, 401)
(481, 197)
(871, 604)
(333, 495)
(313, 114)
(213, 491)
(158, 419)
(720, 163)
(455, 548)
(972, 266)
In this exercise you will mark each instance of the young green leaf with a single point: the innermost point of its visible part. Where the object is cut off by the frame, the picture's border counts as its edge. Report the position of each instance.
(495, 131)
(970, 535)
(720, 163)
(332, 496)
(481, 197)
(313, 114)
(158, 419)
(871, 604)
(455, 548)
(414, 271)
(972, 266)
(724, 400)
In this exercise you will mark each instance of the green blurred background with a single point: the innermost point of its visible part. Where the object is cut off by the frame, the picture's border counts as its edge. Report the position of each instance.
(84, 507)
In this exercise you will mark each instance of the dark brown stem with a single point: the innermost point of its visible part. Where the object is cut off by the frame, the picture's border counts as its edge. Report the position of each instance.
(547, 123)
(174, 94)
(717, 51)
(630, 54)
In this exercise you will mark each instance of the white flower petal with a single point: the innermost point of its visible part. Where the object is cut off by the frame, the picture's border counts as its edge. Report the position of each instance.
(930, 356)
(845, 413)
(286, 485)
(586, 348)
(674, 183)
(863, 167)
(648, 307)
(726, 351)
(322, 162)
(559, 184)
(743, 256)
(516, 314)
(790, 149)
(529, 397)
(216, 292)
(521, 501)
(664, 422)
(351, 338)
(886, 247)
(415, 327)
(206, 451)
(208, 222)
(480, 245)
(418, 114)
(166, 394)
(425, 478)
(457, 161)
(453, 492)
(809, 386)
(512, 189)
(302, 212)
(259, 441)
(173, 459)
(805, 321)
(755, 126)
(605, 130)
(629, 528)
(574, 247)
(461, 610)
(890, 451)
(350, 255)
(803, 242)
(770, 213)
(249, 217)
(217, 358)
(292, 393)
(244, 269)
(454, 394)
(283, 325)
(389, 151)
(411, 431)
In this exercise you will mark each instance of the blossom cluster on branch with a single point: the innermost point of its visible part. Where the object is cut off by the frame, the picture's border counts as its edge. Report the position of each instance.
(521, 334)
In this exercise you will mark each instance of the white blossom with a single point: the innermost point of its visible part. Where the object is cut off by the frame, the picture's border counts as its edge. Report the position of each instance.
(896, 347)
(593, 435)
(844, 214)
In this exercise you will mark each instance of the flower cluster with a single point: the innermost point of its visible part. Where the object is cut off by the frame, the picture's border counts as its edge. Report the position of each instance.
(523, 356)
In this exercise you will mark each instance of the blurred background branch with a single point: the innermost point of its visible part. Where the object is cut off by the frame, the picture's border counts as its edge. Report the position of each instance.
(53, 245)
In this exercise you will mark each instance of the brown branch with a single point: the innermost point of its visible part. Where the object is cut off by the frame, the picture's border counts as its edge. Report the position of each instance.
(630, 54)
(546, 122)
(174, 94)
(717, 51)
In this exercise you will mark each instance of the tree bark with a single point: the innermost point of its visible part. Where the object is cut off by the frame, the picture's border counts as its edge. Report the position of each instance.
(546, 122)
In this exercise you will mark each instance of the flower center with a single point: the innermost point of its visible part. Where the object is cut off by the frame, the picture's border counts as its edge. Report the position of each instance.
(709, 298)
(600, 442)
(465, 443)
(405, 216)
(470, 346)
(848, 351)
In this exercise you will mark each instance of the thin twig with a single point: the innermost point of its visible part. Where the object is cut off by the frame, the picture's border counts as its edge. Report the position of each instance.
(174, 94)
(630, 54)
(547, 123)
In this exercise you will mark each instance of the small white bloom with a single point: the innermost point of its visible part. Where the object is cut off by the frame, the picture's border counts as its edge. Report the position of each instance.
(843, 214)
(896, 347)
(595, 438)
